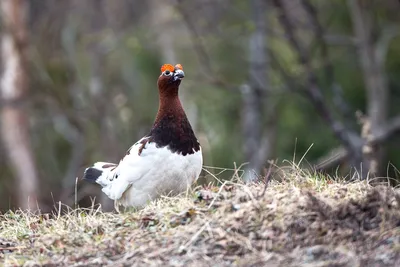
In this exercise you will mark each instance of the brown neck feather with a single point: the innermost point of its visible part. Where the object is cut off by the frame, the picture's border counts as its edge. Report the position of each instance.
(171, 127)
(169, 104)
(169, 108)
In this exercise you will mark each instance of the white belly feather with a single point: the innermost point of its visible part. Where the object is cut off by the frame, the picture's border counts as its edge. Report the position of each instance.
(139, 179)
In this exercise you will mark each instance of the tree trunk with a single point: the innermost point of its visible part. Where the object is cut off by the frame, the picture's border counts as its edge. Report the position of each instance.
(14, 87)
(256, 148)
(375, 83)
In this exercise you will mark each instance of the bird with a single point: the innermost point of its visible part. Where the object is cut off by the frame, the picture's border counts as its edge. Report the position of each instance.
(166, 161)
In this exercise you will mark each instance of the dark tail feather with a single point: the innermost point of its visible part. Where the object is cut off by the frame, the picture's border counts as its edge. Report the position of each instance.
(91, 174)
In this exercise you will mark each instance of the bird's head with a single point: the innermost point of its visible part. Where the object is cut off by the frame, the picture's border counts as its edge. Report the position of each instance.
(170, 78)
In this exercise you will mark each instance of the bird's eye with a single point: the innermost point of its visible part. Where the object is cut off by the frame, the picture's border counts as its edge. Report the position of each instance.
(167, 72)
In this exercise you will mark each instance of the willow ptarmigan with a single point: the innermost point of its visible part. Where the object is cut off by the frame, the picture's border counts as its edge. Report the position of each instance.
(166, 161)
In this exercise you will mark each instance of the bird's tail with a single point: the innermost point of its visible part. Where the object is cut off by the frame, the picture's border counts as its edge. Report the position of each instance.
(100, 172)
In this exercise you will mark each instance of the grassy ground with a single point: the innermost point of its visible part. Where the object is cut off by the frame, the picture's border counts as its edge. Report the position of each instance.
(301, 220)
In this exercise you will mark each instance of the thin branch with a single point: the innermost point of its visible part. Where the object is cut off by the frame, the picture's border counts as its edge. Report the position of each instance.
(339, 40)
(196, 39)
(313, 92)
(333, 159)
(338, 99)
(386, 132)
(339, 154)
(203, 55)
(383, 43)
(201, 51)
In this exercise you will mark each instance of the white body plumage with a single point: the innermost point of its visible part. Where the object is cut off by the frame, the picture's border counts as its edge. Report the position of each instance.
(146, 173)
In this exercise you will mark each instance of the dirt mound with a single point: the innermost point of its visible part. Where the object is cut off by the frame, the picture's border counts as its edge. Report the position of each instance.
(292, 224)
(300, 227)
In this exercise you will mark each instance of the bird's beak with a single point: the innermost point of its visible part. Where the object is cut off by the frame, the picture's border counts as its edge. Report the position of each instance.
(179, 74)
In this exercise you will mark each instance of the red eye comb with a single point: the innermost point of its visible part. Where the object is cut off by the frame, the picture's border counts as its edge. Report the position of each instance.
(167, 67)
(178, 66)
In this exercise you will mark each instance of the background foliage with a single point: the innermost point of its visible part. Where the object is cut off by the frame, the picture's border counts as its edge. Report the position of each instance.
(93, 67)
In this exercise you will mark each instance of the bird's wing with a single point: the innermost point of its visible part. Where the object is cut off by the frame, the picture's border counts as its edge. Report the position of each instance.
(139, 160)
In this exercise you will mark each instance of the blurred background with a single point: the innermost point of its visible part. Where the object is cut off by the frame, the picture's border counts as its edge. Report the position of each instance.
(266, 80)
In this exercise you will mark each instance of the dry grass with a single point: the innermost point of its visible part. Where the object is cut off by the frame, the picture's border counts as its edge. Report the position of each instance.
(302, 220)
